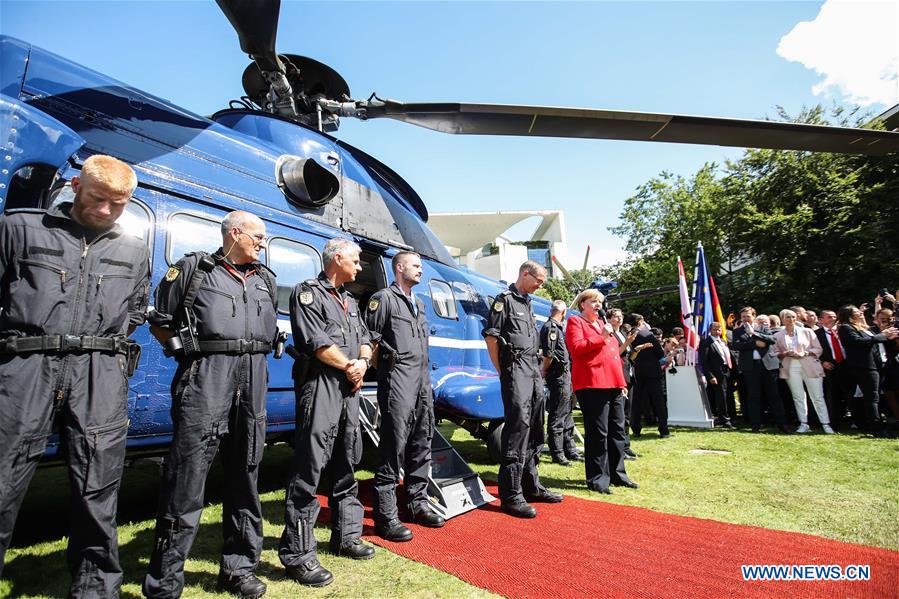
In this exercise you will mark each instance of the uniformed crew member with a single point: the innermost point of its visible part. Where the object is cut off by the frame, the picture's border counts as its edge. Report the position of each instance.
(556, 371)
(334, 352)
(399, 329)
(512, 343)
(73, 285)
(216, 314)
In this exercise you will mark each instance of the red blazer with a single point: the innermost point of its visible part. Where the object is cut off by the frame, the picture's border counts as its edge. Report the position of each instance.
(595, 361)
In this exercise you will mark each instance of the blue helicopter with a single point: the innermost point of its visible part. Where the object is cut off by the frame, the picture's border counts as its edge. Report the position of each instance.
(273, 153)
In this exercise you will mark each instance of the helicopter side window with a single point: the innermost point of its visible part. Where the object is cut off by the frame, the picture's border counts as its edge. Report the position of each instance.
(28, 186)
(191, 233)
(293, 262)
(443, 300)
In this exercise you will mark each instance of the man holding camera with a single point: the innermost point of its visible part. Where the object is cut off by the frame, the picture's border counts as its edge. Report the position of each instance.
(216, 314)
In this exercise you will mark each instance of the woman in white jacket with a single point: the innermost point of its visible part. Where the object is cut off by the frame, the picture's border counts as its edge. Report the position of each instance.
(799, 351)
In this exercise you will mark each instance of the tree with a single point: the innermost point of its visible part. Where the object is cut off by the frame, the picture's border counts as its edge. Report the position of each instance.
(779, 227)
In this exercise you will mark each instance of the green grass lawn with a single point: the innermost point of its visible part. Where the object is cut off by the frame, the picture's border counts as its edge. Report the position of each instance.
(842, 487)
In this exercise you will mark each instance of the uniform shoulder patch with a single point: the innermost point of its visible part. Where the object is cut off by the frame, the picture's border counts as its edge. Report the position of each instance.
(306, 298)
(553, 336)
(498, 305)
(172, 273)
(373, 304)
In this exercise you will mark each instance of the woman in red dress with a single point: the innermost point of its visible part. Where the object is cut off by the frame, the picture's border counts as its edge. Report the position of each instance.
(598, 382)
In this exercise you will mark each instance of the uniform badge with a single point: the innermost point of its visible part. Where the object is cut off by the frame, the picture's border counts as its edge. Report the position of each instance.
(553, 336)
(306, 297)
(172, 273)
(373, 304)
(498, 306)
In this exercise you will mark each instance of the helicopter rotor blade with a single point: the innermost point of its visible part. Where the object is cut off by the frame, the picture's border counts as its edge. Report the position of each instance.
(586, 257)
(547, 121)
(256, 24)
(567, 274)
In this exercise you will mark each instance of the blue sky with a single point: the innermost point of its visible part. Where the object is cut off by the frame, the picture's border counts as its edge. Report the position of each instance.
(709, 58)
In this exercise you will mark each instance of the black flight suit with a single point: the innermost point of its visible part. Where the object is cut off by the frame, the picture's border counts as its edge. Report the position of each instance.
(68, 288)
(405, 400)
(511, 321)
(560, 428)
(218, 398)
(327, 431)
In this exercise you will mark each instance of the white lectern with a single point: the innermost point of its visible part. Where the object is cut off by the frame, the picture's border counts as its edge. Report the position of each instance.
(688, 404)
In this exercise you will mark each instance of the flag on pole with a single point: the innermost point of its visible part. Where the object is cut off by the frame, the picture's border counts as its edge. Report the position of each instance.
(716, 308)
(686, 314)
(702, 296)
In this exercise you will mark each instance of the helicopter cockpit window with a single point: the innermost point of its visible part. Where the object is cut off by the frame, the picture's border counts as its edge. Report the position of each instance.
(294, 263)
(443, 300)
(191, 233)
(472, 301)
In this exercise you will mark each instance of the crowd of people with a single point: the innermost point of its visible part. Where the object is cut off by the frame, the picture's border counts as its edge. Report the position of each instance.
(775, 365)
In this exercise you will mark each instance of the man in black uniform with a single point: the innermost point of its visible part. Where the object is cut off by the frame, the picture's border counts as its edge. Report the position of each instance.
(217, 315)
(334, 351)
(513, 344)
(648, 375)
(399, 329)
(556, 371)
(73, 285)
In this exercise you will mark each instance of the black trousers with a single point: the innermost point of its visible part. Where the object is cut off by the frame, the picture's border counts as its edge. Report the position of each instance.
(761, 383)
(93, 424)
(603, 411)
(869, 403)
(407, 426)
(839, 391)
(522, 435)
(218, 404)
(649, 391)
(327, 437)
(718, 393)
(560, 423)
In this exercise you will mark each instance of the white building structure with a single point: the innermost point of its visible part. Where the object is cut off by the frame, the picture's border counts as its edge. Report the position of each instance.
(481, 240)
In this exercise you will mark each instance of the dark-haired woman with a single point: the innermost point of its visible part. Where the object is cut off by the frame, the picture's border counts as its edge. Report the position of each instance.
(863, 348)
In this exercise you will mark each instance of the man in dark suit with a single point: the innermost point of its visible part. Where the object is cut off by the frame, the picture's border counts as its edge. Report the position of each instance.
(760, 370)
(715, 360)
(839, 387)
(648, 374)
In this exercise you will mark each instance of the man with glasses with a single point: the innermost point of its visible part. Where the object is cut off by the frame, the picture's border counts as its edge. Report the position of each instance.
(216, 315)
(513, 344)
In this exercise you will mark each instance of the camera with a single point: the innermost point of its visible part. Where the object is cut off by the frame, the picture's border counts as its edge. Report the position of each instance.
(883, 292)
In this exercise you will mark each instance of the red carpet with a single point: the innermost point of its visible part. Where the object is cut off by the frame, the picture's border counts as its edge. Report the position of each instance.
(584, 548)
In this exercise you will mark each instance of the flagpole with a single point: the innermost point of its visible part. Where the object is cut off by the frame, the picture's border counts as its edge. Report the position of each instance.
(692, 299)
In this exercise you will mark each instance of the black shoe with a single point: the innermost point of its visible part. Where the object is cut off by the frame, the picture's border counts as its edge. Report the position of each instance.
(627, 483)
(520, 509)
(631, 453)
(561, 460)
(784, 429)
(355, 549)
(756, 429)
(629, 457)
(575, 456)
(545, 496)
(311, 574)
(247, 586)
(428, 517)
(605, 491)
(393, 530)
(664, 435)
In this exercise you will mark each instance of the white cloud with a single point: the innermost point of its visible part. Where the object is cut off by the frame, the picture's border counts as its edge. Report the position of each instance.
(854, 45)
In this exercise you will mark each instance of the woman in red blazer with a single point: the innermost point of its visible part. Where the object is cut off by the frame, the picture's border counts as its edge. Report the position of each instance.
(598, 382)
